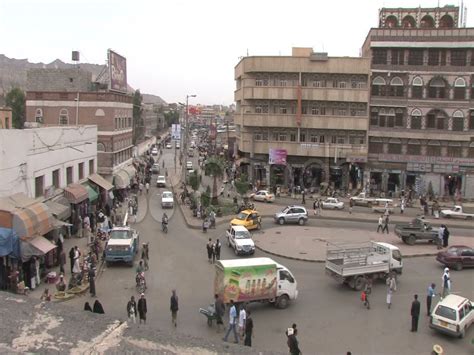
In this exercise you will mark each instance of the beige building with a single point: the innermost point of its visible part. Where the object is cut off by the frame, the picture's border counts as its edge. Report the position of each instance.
(421, 106)
(311, 110)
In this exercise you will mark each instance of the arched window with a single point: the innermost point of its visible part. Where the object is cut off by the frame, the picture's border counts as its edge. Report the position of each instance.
(459, 89)
(378, 86)
(446, 22)
(427, 22)
(415, 119)
(458, 121)
(437, 89)
(396, 87)
(414, 147)
(39, 115)
(408, 22)
(391, 22)
(395, 146)
(437, 119)
(63, 117)
(433, 148)
(417, 88)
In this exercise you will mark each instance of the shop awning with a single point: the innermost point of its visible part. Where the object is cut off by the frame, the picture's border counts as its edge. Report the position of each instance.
(32, 221)
(121, 179)
(59, 210)
(35, 247)
(93, 195)
(131, 171)
(75, 193)
(100, 181)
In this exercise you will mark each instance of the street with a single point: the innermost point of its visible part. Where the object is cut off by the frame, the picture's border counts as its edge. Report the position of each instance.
(330, 317)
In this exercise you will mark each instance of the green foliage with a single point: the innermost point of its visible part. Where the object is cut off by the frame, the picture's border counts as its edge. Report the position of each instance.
(16, 99)
(242, 185)
(194, 180)
(138, 124)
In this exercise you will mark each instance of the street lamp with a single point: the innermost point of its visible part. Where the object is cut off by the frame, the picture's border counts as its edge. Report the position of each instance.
(185, 145)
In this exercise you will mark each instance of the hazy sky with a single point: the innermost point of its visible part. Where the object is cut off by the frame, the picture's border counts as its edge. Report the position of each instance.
(177, 47)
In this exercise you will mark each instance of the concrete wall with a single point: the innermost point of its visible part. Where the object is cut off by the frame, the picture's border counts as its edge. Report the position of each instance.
(30, 153)
(72, 80)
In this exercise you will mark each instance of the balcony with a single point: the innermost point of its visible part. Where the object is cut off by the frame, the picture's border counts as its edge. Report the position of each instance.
(308, 93)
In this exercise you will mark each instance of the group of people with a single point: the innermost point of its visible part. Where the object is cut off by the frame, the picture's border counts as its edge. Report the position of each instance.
(213, 250)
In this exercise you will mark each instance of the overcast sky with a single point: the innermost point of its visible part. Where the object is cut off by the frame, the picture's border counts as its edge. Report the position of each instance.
(177, 47)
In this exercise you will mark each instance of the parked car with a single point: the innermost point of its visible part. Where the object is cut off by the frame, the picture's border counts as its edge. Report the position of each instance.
(292, 214)
(332, 203)
(262, 196)
(452, 315)
(167, 200)
(168, 146)
(161, 181)
(457, 257)
(155, 169)
(250, 219)
(240, 239)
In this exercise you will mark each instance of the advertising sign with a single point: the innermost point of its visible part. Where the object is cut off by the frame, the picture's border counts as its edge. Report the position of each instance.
(117, 72)
(176, 131)
(277, 156)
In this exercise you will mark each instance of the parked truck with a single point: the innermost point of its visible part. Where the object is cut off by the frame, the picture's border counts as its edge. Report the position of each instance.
(417, 230)
(122, 245)
(254, 280)
(350, 264)
(458, 211)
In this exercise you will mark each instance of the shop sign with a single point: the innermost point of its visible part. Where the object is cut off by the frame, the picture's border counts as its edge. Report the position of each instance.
(419, 167)
(277, 156)
(426, 159)
(445, 168)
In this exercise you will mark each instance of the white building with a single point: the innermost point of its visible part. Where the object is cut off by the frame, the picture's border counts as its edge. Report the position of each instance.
(37, 161)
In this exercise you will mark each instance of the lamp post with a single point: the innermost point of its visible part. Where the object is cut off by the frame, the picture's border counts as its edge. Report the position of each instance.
(185, 145)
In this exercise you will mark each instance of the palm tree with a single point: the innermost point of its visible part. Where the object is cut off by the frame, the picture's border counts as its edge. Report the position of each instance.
(215, 167)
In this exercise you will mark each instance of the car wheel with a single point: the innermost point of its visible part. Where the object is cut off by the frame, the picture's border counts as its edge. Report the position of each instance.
(411, 240)
(458, 266)
(281, 221)
(301, 221)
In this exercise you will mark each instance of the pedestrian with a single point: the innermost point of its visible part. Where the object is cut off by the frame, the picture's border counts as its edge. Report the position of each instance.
(219, 309)
(98, 307)
(71, 258)
(429, 298)
(415, 314)
(209, 250)
(380, 224)
(439, 241)
(91, 275)
(62, 261)
(132, 309)
(402, 206)
(303, 201)
(351, 204)
(87, 307)
(232, 323)
(446, 282)
(385, 224)
(217, 249)
(391, 288)
(242, 319)
(445, 236)
(174, 307)
(141, 307)
(248, 330)
(292, 342)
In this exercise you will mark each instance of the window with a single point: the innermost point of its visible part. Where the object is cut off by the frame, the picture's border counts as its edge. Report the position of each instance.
(69, 177)
(396, 87)
(39, 186)
(398, 56)
(459, 89)
(375, 145)
(458, 57)
(81, 171)
(437, 89)
(378, 86)
(63, 117)
(433, 148)
(417, 88)
(91, 167)
(415, 57)
(39, 115)
(379, 56)
(458, 121)
(414, 147)
(55, 177)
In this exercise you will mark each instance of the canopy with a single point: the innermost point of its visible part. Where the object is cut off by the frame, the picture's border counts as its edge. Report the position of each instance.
(35, 247)
(93, 195)
(32, 221)
(59, 210)
(9, 243)
(121, 179)
(75, 193)
(100, 181)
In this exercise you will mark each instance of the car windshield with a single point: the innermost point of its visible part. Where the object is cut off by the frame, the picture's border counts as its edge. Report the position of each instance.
(242, 235)
(242, 216)
(446, 312)
(167, 195)
(120, 234)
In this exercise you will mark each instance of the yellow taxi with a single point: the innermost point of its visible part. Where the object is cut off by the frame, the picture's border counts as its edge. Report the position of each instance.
(250, 219)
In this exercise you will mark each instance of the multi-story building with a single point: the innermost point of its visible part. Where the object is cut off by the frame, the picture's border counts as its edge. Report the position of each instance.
(69, 97)
(421, 133)
(302, 120)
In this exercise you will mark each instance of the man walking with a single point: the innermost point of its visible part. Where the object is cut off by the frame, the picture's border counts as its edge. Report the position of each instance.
(132, 309)
(142, 308)
(391, 288)
(446, 282)
(232, 322)
(415, 314)
(380, 224)
(429, 298)
(174, 307)
(248, 330)
(385, 224)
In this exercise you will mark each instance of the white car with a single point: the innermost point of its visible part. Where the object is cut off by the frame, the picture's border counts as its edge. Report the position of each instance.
(240, 239)
(168, 146)
(263, 196)
(167, 200)
(332, 203)
(452, 315)
(161, 181)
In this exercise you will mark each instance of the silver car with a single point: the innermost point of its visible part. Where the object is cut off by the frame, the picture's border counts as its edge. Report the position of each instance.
(292, 214)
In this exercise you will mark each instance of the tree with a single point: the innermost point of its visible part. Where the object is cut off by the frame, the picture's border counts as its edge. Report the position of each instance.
(137, 116)
(215, 167)
(242, 185)
(16, 100)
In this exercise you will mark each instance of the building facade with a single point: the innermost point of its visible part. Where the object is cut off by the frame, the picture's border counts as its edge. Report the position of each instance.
(421, 128)
(310, 107)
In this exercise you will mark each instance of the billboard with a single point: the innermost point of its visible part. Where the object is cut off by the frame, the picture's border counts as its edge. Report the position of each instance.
(117, 72)
(176, 131)
(277, 156)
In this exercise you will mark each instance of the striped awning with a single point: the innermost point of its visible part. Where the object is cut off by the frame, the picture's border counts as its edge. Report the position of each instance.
(75, 193)
(100, 181)
(121, 179)
(32, 221)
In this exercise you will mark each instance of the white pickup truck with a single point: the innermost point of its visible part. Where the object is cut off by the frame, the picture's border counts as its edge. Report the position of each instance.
(351, 263)
(459, 212)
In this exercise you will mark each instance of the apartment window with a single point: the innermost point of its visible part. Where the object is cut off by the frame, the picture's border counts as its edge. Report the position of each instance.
(375, 145)
(398, 56)
(415, 57)
(459, 89)
(433, 57)
(433, 149)
(69, 177)
(39, 115)
(379, 56)
(458, 57)
(55, 176)
(91, 167)
(63, 117)
(437, 89)
(414, 147)
(81, 171)
(39, 186)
